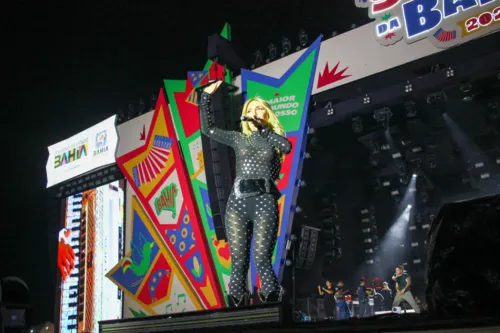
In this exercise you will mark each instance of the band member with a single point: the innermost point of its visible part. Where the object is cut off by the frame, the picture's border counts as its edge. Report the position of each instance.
(252, 206)
(387, 294)
(364, 304)
(403, 286)
(328, 293)
(342, 307)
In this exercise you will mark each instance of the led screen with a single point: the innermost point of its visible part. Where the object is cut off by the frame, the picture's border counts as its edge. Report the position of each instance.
(90, 243)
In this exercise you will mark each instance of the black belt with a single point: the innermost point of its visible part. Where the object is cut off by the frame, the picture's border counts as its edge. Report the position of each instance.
(252, 186)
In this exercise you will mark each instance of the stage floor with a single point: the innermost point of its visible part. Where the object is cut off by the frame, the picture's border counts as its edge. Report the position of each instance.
(278, 318)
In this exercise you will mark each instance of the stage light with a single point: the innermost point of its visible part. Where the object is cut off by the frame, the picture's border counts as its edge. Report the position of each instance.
(424, 196)
(414, 175)
(311, 131)
(410, 109)
(366, 99)
(130, 112)
(466, 92)
(334, 33)
(438, 101)
(298, 209)
(152, 102)
(409, 206)
(273, 52)
(141, 107)
(302, 183)
(288, 263)
(286, 46)
(383, 116)
(357, 124)
(408, 87)
(400, 166)
(303, 39)
(450, 72)
(121, 116)
(307, 156)
(353, 26)
(258, 59)
(431, 161)
(494, 110)
(330, 111)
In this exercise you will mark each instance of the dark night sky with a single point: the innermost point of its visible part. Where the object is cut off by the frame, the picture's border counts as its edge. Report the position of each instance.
(70, 66)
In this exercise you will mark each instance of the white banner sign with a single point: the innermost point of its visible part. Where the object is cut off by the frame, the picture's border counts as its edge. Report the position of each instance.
(84, 152)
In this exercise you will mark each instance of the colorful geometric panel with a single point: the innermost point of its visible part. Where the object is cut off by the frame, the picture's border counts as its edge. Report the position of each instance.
(182, 238)
(196, 77)
(164, 190)
(146, 272)
(289, 97)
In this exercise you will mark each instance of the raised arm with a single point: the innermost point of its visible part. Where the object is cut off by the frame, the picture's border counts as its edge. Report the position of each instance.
(328, 291)
(225, 137)
(279, 142)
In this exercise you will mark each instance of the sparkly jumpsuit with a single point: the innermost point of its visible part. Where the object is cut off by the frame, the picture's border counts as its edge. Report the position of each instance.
(257, 157)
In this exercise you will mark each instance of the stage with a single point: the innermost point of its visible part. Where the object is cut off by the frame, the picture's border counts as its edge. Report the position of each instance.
(278, 318)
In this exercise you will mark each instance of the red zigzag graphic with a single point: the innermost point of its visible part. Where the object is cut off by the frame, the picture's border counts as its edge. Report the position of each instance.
(330, 76)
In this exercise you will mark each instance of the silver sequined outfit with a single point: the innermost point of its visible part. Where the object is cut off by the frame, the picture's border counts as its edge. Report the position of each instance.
(257, 157)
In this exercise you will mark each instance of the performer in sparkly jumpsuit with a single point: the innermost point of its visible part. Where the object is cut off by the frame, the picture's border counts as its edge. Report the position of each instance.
(252, 207)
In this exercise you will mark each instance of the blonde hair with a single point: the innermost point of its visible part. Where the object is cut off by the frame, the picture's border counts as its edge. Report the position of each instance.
(272, 121)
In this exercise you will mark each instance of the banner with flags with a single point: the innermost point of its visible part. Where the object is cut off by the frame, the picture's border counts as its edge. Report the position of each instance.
(289, 97)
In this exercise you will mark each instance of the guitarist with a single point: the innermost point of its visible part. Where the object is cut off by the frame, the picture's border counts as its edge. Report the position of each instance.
(342, 307)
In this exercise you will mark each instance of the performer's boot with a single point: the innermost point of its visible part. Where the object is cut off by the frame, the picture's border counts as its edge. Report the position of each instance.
(274, 297)
(235, 302)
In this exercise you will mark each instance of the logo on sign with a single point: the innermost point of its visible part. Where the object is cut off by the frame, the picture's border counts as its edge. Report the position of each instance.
(101, 144)
(166, 200)
(445, 22)
(71, 154)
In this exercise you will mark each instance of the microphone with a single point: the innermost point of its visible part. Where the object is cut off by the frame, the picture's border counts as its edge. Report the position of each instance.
(245, 118)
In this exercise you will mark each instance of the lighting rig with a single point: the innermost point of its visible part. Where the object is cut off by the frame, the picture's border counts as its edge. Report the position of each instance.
(437, 100)
(383, 117)
(135, 109)
(273, 53)
(480, 67)
(357, 124)
(410, 109)
(258, 59)
(286, 46)
(303, 39)
(94, 179)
